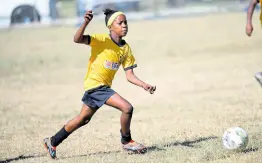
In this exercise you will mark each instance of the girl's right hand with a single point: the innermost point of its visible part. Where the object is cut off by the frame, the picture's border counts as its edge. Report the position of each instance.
(249, 29)
(88, 16)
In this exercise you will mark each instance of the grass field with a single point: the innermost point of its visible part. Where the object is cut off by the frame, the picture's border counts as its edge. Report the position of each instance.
(203, 68)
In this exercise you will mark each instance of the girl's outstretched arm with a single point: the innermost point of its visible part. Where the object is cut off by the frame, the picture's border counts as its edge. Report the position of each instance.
(131, 77)
(79, 36)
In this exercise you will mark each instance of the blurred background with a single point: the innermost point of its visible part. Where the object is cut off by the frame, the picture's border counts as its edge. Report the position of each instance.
(15, 12)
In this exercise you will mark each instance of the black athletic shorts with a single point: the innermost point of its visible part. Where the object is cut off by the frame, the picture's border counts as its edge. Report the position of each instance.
(96, 97)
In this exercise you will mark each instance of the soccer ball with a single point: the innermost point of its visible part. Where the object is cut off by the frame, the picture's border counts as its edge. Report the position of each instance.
(235, 138)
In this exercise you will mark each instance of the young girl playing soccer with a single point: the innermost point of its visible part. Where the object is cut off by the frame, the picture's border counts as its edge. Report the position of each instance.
(108, 52)
(249, 28)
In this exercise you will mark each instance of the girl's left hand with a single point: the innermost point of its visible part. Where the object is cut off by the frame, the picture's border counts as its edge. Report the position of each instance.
(249, 29)
(149, 88)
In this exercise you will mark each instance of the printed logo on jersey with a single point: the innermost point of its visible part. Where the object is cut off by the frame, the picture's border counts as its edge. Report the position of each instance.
(111, 65)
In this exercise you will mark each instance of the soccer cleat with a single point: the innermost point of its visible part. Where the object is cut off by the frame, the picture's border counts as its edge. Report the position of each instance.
(258, 77)
(50, 149)
(134, 147)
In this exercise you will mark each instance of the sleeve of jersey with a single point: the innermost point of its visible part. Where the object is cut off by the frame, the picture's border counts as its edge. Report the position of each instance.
(96, 40)
(129, 62)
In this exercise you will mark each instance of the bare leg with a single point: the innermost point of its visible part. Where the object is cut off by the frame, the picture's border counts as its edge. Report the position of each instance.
(125, 107)
(82, 119)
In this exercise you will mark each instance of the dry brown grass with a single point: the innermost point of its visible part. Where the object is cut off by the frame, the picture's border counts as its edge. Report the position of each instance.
(203, 68)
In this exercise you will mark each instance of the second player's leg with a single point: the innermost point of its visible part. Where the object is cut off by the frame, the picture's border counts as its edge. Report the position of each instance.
(258, 77)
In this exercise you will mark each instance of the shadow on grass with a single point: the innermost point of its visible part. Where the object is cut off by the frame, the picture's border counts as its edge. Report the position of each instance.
(154, 148)
(20, 158)
(190, 143)
(249, 150)
(90, 154)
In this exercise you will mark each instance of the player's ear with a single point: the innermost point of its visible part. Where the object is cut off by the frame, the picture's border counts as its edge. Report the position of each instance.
(110, 28)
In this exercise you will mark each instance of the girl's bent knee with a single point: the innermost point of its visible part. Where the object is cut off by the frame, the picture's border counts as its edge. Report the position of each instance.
(129, 110)
(84, 121)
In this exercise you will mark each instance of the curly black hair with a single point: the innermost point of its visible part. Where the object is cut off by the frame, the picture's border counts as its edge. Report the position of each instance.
(108, 13)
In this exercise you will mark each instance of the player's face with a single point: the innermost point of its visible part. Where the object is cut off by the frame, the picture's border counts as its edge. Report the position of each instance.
(120, 26)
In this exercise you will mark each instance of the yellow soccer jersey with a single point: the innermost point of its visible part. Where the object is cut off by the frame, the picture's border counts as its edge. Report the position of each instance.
(106, 57)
